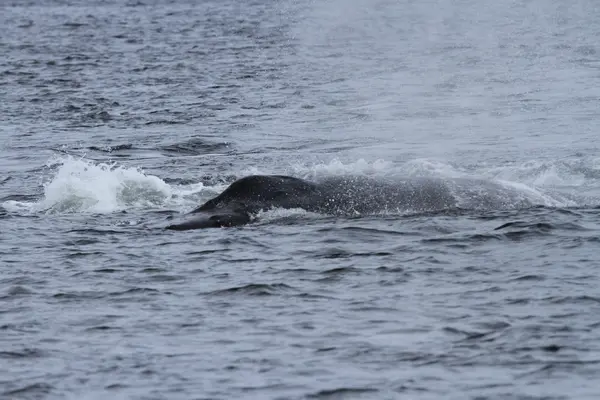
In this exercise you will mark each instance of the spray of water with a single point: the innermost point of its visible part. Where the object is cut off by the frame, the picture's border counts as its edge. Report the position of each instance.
(79, 185)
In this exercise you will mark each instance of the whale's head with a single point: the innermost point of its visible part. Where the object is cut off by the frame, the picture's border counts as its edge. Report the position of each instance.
(261, 192)
(249, 195)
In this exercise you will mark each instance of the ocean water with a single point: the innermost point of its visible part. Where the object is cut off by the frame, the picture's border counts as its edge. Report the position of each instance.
(116, 116)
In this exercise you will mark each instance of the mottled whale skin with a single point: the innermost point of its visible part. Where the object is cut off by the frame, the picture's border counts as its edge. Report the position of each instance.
(350, 196)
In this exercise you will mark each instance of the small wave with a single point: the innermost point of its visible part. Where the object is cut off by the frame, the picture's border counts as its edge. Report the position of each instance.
(166, 122)
(24, 353)
(74, 24)
(19, 198)
(104, 270)
(519, 229)
(17, 291)
(78, 296)
(35, 390)
(513, 231)
(101, 115)
(335, 253)
(94, 231)
(110, 149)
(314, 296)
(194, 147)
(137, 290)
(336, 274)
(541, 226)
(364, 231)
(573, 299)
(342, 393)
(103, 328)
(254, 289)
(529, 278)
(342, 271)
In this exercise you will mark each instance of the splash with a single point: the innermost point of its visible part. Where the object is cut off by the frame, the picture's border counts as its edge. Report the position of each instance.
(556, 173)
(83, 186)
(378, 168)
(336, 167)
(576, 181)
(80, 185)
(529, 182)
(281, 214)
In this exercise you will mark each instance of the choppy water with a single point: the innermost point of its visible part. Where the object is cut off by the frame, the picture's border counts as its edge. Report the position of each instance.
(118, 115)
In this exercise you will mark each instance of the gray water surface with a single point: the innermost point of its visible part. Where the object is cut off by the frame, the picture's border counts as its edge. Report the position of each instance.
(118, 116)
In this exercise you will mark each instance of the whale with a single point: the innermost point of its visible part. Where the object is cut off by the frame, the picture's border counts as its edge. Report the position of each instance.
(243, 199)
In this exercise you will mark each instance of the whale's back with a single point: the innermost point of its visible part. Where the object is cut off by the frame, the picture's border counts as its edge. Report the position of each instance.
(352, 195)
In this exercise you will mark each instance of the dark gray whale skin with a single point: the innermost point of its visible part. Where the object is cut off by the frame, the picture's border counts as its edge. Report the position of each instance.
(347, 196)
